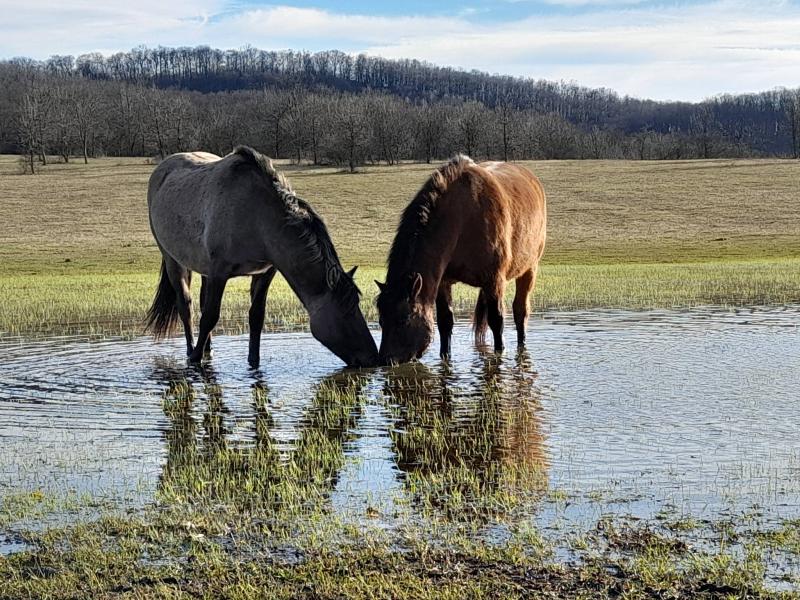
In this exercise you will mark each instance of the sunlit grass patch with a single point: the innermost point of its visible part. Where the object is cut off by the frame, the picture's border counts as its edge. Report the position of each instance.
(115, 304)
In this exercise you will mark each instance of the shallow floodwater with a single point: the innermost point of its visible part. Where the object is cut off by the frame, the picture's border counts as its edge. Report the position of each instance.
(694, 412)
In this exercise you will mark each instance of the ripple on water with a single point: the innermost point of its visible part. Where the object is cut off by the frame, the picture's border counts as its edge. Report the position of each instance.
(696, 410)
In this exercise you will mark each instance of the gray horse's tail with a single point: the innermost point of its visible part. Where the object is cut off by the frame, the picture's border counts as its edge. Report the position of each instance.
(163, 314)
(480, 320)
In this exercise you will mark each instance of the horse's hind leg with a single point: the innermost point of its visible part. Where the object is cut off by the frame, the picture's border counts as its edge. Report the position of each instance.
(494, 313)
(181, 280)
(524, 285)
(215, 288)
(259, 286)
(444, 317)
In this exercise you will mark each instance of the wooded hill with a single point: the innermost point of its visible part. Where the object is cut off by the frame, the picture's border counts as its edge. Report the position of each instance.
(338, 108)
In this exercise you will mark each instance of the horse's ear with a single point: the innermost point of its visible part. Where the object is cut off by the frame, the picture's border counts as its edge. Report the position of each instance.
(381, 286)
(352, 272)
(416, 285)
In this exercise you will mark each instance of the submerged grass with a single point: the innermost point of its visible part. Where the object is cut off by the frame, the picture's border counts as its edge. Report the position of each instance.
(256, 521)
(167, 558)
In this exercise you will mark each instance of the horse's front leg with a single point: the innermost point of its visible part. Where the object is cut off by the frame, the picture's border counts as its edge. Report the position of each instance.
(215, 288)
(494, 315)
(259, 286)
(203, 285)
(444, 317)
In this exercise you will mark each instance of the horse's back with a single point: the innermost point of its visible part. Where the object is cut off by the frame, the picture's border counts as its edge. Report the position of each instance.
(213, 213)
(175, 172)
(522, 190)
(520, 201)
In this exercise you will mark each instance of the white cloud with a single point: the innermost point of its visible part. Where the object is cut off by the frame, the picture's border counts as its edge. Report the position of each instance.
(588, 2)
(308, 25)
(47, 27)
(678, 52)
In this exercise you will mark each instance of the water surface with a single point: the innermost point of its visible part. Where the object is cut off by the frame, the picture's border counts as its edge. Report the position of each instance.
(692, 412)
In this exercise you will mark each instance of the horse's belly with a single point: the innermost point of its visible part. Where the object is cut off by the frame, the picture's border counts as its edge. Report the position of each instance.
(181, 238)
(463, 274)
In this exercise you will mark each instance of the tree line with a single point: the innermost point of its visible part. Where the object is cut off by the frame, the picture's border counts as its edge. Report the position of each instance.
(334, 108)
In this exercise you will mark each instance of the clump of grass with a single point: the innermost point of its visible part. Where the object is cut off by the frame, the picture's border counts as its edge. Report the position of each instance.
(162, 554)
(785, 538)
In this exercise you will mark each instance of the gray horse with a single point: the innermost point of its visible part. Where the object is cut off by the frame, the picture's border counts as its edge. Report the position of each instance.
(236, 216)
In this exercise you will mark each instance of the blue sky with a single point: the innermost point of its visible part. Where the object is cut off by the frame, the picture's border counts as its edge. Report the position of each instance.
(667, 49)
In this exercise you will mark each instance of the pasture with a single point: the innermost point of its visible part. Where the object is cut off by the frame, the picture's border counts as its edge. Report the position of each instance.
(78, 256)
(642, 446)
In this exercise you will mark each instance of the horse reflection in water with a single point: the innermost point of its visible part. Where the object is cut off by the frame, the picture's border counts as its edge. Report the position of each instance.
(469, 450)
(257, 472)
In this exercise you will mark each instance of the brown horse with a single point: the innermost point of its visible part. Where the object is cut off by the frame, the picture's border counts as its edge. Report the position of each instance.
(479, 224)
(236, 216)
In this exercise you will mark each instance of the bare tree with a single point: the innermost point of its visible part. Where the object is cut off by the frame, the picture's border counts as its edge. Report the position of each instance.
(350, 131)
(307, 121)
(276, 108)
(85, 105)
(470, 125)
(704, 127)
(60, 130)
(554, 137)
(33, 121)
(390, 131)
(790, 102)
(431, 124)
(504, 114)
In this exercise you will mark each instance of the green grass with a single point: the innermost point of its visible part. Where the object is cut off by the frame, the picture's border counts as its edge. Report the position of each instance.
(140, 559)
(116, 303)
(76, 253)
(256, 521)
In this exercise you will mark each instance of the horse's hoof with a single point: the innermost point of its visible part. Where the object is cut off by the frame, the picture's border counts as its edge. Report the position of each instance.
(253, 362)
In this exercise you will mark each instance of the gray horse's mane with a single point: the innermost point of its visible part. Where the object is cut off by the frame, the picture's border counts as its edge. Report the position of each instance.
(309, 227)
(417, 214)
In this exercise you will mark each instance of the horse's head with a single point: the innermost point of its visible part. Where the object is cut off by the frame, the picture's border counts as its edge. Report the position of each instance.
(406, 321)
(337, 322)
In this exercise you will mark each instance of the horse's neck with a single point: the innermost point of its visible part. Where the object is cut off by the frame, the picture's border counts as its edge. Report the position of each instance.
(306, 277)
(432, 252)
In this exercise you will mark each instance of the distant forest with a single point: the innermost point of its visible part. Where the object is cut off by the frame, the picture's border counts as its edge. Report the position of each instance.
(335, 108)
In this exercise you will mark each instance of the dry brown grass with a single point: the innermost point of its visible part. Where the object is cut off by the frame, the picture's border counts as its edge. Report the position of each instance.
(76, 251)
(599, 211)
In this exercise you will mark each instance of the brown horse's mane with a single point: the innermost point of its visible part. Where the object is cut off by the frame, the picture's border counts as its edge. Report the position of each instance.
(417, 215)
(309, 227)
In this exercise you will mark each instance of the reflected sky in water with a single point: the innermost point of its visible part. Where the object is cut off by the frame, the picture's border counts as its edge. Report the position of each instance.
(629, 412)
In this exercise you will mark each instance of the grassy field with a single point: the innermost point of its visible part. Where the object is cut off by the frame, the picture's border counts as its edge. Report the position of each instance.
(76, 255)
(76, 252)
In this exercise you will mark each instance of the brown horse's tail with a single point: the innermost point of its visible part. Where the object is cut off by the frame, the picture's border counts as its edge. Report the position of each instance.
(163, 314)
(480, 320)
